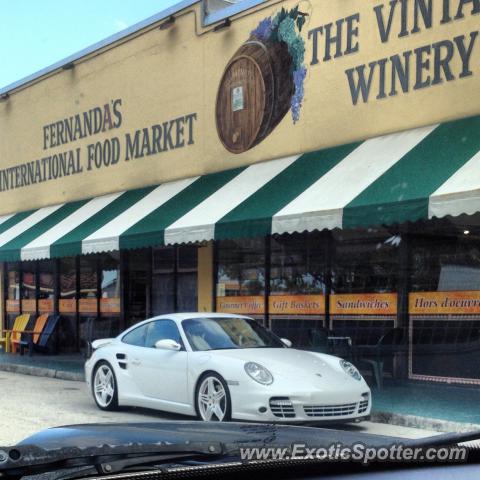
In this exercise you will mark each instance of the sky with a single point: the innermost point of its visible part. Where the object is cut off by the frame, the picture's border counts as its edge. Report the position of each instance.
(36, 33)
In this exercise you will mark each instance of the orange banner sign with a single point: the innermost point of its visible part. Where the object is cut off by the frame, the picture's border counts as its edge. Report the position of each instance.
(67, 305)
(13, 306)
(45, 305)
(87, 305)
(296, 304)
(110, 305)
(29, 306)
(444, 303)
(364, 304)
(242, 305)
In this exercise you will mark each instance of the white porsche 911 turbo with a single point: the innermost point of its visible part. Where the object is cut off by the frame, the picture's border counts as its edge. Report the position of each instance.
(218, 367)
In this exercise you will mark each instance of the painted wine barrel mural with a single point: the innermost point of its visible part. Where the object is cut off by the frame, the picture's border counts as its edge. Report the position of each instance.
(254, 94)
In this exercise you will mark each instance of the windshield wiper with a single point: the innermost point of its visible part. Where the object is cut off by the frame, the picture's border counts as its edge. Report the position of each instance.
(74, 462)
(16, 462)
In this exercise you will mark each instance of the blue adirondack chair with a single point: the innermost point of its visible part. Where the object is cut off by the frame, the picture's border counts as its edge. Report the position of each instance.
(44, 342)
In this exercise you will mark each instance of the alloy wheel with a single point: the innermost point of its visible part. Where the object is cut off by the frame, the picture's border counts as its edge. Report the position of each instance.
(104, 386)
(212, 400)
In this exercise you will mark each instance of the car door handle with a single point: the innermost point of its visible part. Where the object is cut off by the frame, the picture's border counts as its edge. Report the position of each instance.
(136, 362)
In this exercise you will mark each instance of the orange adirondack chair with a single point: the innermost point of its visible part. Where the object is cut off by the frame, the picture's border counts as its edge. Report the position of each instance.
(36, 332)
(19, 325)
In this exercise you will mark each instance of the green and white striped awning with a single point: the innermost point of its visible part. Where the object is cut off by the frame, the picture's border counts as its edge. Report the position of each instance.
(408, 176)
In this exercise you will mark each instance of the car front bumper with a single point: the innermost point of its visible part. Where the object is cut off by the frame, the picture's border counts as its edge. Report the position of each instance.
(263, 404)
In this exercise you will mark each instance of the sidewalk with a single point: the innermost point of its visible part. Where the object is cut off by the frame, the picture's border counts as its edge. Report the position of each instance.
(438, 407)
(65, 367)
(442, 401)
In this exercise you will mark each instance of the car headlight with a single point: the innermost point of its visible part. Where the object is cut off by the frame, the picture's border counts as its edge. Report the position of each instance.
(350, 369)
(258, 373)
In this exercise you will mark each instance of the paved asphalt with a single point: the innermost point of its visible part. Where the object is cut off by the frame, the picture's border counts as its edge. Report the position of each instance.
(33, 403)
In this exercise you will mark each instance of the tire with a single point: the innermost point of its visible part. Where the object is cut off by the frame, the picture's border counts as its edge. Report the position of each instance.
(211, 409)
(106, 394)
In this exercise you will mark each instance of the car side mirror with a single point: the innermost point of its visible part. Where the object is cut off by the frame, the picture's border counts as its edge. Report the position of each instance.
(168, 344)
(287, 342)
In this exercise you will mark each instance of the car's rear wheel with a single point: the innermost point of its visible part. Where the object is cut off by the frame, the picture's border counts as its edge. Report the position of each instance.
(212, 399)
(104, 387)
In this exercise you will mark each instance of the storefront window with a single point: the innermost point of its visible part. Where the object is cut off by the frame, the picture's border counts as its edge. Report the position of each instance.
(68, 280)
(241, 267)
(110, 285)
(13, 292)
(444, 303)
(13, 273)
(67, 303)
(187, 279)
(29, 288)
(365, 262)
(88, 278)
(46, 281)
(441, 263)
(29, 284)
(241, 277)
(138, 291)
(297, 265)
(297, 287)
(365, 273)
(174, 279)
(88, 285)
(163, 280)
(108, 323)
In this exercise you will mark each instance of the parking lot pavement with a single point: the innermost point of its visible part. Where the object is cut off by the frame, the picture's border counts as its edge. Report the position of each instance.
(35, 403)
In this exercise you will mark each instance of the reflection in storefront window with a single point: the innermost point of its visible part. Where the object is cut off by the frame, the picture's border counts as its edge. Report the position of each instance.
(241, 267)
(88, 303)
(444, 312)
(138, 297)
(111, 276)
(187, 299)
(88, 277)
(46, 281)
(445, 264)
(29, 284)
(13, 281)
(12, 304)
(163, 280)
(110, 285)
(297, 265)
(174, 279)
(88, 300)
(366, 262)
(68, 286)
(163, 259)
(67, 278)
(29, 288)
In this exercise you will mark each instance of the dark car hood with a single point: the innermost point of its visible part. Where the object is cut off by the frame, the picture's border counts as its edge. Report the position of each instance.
(251, 434)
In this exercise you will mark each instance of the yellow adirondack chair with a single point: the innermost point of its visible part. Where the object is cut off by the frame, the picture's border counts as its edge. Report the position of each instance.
(19, 325)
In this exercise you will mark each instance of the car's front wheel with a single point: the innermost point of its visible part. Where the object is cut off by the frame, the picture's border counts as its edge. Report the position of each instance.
(104, 387)
(213, 399)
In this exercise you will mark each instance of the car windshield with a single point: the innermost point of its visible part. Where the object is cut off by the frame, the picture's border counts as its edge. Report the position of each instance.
(228, 333)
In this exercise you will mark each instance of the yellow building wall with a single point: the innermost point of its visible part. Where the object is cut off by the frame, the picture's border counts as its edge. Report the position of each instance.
(205, 278)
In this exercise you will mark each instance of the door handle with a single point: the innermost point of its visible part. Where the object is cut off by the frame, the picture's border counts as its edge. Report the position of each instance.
(136, 362)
